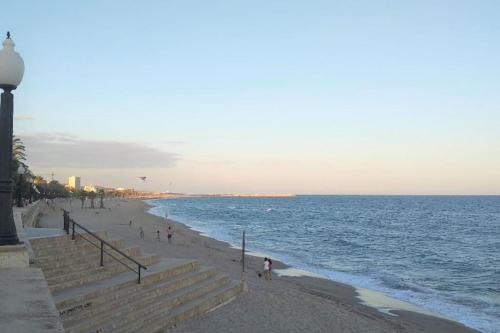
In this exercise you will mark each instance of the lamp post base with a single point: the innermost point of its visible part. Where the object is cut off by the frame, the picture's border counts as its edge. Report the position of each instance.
(8, 233)
(9, 240)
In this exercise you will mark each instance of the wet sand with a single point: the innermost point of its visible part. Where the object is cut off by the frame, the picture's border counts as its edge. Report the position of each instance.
(285, 304)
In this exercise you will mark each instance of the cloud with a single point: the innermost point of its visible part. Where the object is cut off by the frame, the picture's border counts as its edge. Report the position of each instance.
(69, 151)
(21, 118)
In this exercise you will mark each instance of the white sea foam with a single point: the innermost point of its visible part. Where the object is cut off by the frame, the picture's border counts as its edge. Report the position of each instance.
(386, 304)
(295, 272)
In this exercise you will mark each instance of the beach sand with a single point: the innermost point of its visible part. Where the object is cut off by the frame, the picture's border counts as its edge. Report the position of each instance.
(285, 304)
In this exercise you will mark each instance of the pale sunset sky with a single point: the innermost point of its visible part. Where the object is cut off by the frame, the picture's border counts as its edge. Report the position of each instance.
(312, 97)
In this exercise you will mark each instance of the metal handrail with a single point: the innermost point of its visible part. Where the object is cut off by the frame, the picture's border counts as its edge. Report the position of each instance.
(68, 221)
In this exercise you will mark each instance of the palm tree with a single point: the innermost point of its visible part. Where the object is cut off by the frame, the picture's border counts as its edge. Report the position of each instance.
(18, 156)
(18, 150)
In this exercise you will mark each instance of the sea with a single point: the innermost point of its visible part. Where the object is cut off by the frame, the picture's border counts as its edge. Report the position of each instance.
(440, 253)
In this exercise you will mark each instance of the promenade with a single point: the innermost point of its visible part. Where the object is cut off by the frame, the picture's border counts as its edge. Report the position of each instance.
(27, 305)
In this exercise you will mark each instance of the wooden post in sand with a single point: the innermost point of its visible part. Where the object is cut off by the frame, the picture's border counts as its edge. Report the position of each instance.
(244, 286)
(243, 253)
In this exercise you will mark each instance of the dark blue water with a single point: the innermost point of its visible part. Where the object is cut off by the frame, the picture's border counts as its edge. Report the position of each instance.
(439, 252)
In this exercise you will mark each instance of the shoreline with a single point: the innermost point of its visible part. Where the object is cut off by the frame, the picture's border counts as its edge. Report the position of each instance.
(374, 300)
(285, 304)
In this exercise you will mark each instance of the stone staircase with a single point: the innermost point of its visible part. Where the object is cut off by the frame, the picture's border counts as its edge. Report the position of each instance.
(91, 298)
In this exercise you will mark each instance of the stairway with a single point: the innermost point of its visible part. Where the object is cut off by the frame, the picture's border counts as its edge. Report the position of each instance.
(91, 298)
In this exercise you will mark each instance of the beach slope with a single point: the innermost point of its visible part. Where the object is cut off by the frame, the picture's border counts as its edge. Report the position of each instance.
(285, 304)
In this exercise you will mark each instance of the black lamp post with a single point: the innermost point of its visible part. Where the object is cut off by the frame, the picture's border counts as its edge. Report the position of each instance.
(29, 179)
(11, 74)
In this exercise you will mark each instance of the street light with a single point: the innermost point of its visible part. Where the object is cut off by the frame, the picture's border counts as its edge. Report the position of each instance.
(20, 171)
(29, 179)
(11, 74)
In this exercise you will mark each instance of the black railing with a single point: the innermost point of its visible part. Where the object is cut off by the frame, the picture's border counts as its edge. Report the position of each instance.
(69, 223)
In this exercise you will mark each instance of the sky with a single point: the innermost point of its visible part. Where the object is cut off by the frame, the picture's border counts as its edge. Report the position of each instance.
(309, 97)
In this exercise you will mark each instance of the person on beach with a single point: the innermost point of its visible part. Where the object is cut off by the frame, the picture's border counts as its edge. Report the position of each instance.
(141, 232)
(270, 268)
(158, 235)
(266, 268)
(130, 224)
(170, 233)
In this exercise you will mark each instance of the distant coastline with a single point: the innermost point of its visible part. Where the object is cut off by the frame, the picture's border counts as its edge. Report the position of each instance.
(159, 195)
(238, 195)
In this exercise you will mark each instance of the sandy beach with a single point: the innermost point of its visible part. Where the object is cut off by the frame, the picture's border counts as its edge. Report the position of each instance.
(285, 304)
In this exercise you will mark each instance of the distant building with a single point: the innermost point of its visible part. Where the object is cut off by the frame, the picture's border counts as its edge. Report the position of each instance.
(90, 188)
(74, 183)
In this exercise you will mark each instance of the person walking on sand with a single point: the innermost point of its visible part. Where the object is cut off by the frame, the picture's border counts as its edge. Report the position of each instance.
(170, 233)
(141, 232)
(266, 268)
(158, 235)
(130, 224)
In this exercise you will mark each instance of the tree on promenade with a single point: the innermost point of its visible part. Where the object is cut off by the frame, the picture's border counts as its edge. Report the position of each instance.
(18, 156)
(82, 194)
(19, 159)
(18, 150)
(92, 199)
(101, 195)
(26, 181)
(56, 189)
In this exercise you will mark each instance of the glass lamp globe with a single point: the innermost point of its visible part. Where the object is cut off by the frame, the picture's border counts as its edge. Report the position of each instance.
(11, 65)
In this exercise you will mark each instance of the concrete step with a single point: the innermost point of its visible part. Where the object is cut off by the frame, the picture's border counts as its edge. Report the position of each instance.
(69, 269)
(99, 316)
(74, 246)
(72, 268)
(102, 305)
(133, 313)
(108, 265)
(73, 251)
(75, 299)
(77, 259)
(161, 320)
(100, 274)
(49, 242)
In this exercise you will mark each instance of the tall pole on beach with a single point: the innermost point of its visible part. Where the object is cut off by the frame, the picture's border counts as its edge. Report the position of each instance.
(243, 253)
(11, 74)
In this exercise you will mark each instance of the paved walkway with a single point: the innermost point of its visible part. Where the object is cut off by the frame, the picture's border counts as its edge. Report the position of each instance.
(27, 306)
(26, 303)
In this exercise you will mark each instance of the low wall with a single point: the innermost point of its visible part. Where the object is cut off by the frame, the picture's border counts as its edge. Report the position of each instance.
(27, 305)
(21, 255)
(29, 215)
